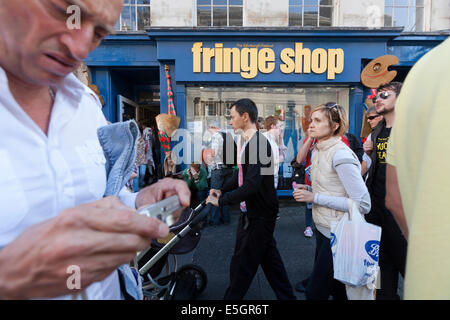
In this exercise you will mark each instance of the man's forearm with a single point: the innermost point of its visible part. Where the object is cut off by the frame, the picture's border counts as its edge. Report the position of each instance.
(364, 167)
(394, 199)
(231, 183)
(242, 193)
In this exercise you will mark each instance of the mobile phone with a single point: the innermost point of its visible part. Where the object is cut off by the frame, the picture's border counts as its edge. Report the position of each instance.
(163, 210)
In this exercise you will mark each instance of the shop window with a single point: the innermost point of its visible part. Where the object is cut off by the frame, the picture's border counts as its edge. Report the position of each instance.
(286, 102)
(135, 16)
(219, 13)
(404, 13)
(315, 13)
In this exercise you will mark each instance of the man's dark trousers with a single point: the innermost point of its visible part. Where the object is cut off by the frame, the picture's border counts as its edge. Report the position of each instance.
(218, 178)
(393, 248)
(256, 246)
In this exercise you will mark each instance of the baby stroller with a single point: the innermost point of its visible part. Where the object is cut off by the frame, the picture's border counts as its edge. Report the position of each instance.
(185, 283)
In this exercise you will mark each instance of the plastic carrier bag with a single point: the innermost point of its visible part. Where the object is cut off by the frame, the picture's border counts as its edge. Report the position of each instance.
(355, 245)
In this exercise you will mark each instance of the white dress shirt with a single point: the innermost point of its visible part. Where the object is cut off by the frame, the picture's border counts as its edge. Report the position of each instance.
(217, 146)
(44, 175)
(276, 156)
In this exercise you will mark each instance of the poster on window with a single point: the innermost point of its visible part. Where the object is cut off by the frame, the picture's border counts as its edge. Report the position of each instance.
(195, 126)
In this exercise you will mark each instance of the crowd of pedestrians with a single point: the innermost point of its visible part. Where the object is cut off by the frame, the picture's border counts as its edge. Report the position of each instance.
(60, 207)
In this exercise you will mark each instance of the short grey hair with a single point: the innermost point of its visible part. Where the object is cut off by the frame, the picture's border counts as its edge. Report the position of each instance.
(213, 123)
(372, 109)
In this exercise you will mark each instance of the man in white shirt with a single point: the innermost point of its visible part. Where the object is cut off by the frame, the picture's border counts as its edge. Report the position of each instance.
(52, 215)
(274, 133)
(220, 172)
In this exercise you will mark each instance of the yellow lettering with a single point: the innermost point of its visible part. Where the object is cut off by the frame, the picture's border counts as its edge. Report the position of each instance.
(208, 54)
(197, 56)
(227, 52)
(319, 61)
(249, 63)
(266, 59)
(289, 64)
(302, 59)
(335, 62)
(219, 57)
(252, 59)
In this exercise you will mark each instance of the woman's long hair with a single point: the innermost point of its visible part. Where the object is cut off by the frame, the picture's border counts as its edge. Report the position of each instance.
(167, 167)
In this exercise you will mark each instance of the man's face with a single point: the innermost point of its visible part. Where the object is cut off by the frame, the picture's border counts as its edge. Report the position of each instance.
(276, 128)
(36, 45)
(213, 129)
(373, 119)
(236, 121)
(307, 111)
(384, 106)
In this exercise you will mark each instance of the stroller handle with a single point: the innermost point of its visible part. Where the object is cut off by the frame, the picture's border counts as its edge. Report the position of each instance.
(200, 216)
(175, 239)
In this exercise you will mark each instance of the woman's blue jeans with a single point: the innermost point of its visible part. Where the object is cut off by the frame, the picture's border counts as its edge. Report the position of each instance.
(308, 215)
(139, 182)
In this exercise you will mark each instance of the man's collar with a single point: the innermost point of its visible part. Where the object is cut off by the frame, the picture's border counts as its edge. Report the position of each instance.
(70, 83)
(249, 133)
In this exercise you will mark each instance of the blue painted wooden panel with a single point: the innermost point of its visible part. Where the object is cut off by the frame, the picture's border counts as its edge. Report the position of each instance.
(102, 79)
(124, 54)
(356, 109)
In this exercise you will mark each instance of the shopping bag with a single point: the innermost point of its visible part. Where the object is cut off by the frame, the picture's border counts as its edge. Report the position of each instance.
(355, 245)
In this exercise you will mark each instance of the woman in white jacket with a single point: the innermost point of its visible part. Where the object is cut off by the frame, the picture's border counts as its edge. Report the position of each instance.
(336, 177)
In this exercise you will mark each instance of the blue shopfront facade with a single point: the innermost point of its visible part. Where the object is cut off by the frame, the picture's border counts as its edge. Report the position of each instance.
(283, 69)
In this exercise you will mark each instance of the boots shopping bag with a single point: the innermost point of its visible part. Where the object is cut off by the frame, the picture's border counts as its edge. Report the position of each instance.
(355, 245)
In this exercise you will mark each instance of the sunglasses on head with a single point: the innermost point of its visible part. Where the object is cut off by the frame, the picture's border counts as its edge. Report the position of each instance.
(332, 105)
(373, 117)
(383, 95)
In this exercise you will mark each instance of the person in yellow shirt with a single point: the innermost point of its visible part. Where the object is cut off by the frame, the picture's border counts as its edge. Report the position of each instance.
(418, 175)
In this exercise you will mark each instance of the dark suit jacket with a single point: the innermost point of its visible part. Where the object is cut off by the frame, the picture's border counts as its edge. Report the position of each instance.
(258, 190)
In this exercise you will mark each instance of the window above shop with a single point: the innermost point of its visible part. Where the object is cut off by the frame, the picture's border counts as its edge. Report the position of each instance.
(404, 13)
(135, 16)
(314, 13)
(219, 13)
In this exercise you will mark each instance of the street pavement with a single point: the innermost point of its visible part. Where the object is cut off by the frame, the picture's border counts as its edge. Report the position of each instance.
(216, 247)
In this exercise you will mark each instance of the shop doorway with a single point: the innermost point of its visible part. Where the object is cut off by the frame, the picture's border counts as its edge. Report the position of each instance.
(137, 88)
(137, 95)
(127, 109)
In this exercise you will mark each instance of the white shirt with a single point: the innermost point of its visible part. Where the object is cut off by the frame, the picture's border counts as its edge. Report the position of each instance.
(276, 156)
(44, 175)
(217, 146)
(366, 158)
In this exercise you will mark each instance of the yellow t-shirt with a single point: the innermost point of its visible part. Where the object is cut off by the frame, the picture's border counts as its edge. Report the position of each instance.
(419, 148)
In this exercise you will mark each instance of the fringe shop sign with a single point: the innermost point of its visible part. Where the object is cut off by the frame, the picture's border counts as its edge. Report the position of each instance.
(248, 60)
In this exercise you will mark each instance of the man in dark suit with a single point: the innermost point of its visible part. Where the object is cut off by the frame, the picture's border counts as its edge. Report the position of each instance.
(252, 186)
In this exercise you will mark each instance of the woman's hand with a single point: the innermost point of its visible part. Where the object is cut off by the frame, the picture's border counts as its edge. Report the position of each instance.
(302, 195)
(302, 187)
